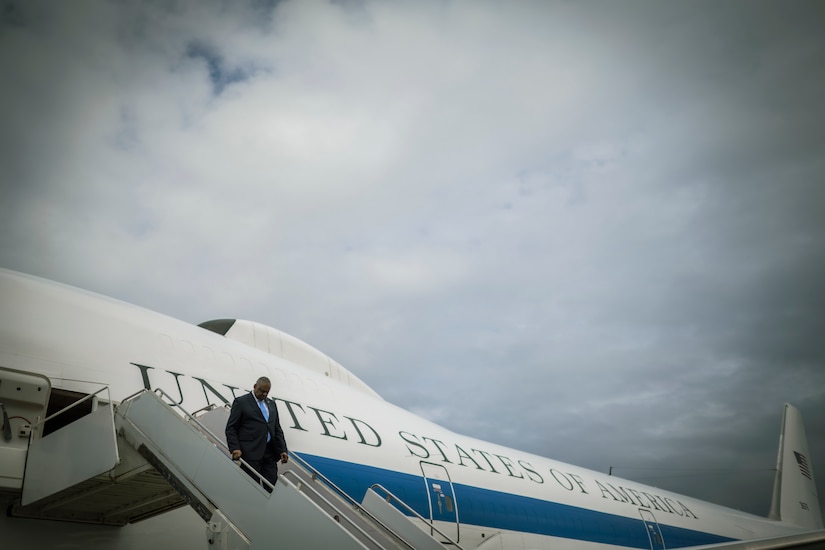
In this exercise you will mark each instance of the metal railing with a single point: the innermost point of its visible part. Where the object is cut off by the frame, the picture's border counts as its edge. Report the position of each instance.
(91, 396)
(341, 516)
(217, 441)
(315, 475)
(391, 497)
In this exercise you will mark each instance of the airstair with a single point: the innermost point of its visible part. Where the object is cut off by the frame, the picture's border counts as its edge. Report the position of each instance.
(121, 464)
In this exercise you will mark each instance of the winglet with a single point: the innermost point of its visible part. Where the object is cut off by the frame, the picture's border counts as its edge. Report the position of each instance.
(794, 489)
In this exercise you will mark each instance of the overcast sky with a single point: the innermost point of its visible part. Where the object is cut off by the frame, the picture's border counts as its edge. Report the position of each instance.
(589, 230)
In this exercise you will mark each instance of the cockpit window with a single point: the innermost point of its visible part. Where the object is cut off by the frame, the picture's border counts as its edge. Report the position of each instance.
(219, 326)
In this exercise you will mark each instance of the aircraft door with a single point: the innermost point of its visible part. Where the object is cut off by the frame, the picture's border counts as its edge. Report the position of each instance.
(654, 533)
(441, 499)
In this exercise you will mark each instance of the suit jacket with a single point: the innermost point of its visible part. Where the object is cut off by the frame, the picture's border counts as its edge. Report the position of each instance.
(246, 428)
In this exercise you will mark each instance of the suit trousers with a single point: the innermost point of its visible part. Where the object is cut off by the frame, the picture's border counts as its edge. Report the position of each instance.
(267, 467)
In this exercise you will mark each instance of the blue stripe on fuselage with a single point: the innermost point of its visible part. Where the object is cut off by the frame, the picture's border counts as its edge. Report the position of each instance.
(497, 510)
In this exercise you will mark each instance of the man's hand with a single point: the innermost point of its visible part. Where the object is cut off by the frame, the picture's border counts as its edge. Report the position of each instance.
(236, 454)
(284, 458)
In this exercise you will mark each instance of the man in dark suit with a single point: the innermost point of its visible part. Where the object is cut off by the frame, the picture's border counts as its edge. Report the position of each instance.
(254, 432)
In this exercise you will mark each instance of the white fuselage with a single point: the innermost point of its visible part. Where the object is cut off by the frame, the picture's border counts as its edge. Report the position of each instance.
(473, 489)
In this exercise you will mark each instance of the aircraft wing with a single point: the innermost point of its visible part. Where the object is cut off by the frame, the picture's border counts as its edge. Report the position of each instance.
(812, 540)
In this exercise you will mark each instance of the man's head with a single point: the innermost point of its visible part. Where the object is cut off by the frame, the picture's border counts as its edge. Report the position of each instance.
(261, 388)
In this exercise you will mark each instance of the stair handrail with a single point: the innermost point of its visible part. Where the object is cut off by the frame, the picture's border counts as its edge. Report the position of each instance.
(392, 496)
(304, 464)
(358, 505)
(36, 425)
(340, 516)
(217, 441)
(316, 474)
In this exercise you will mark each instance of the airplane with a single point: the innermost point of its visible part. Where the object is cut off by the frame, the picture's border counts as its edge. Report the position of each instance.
(87, 382)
